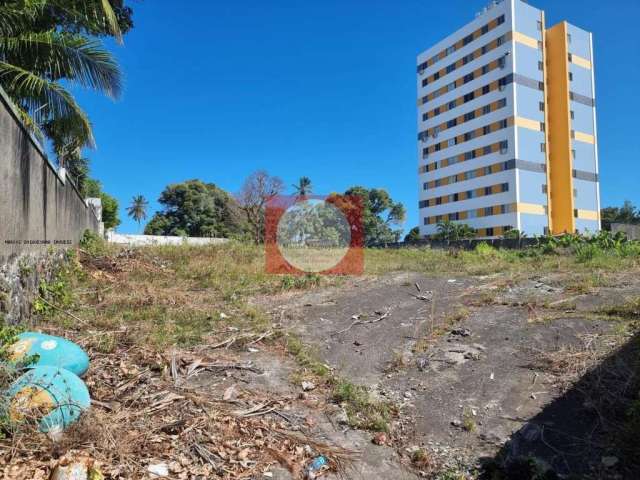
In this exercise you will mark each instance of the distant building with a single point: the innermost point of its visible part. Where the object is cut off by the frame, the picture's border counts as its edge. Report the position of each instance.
(507, 126)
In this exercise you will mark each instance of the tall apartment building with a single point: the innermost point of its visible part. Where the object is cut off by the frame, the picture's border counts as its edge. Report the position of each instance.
(507, 126)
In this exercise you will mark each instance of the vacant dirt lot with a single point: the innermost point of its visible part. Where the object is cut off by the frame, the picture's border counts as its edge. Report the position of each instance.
(442, 365)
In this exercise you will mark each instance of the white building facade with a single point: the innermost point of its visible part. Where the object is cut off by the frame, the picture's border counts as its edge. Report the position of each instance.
(506, 126)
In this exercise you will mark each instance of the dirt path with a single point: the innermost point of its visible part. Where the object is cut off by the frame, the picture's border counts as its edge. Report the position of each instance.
(470, 362)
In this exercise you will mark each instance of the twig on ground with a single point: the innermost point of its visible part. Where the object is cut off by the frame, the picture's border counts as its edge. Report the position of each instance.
(364, 322)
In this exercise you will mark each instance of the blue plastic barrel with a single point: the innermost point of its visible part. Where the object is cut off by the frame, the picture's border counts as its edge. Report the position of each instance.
(52, 351)
(55, 397)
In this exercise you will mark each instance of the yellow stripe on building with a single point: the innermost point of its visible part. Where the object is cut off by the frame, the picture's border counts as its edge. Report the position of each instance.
(531, 208)
(581, 62)
(587, 214)
(525, 40)
(584, 137)
(527, 123)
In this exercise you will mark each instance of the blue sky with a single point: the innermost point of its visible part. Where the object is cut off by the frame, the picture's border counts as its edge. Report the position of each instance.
(324, 89)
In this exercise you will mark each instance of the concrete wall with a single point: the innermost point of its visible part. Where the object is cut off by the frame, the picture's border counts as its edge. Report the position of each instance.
(38, 207)
(632, 231)
(143, 240)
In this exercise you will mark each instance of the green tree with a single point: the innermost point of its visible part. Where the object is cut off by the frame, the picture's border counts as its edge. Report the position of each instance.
(628, 214)
(197, 209)
(379, 215)
(413, 235)
(303, 187)
(453, 232)
(138, 208)
(110, 214)
(47, 46)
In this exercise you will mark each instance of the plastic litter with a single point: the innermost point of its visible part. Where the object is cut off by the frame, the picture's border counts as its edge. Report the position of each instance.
(315, 467)
(54, 396)
(158, 470)
(52, 351)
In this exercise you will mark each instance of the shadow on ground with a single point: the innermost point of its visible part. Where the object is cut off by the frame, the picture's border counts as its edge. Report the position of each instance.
(592, 431)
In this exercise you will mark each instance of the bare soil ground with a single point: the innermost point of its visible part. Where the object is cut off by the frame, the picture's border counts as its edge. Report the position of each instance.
(201, 363)
(479, 367)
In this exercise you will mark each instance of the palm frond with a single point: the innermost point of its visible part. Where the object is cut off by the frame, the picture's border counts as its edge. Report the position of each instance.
(44, 100)
(56, 55)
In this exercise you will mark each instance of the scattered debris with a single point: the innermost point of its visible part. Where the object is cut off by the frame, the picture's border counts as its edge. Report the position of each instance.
(158, 470)
(357, 321)
(317, 466)
(463, 332)
(308, 386)
(380, 438)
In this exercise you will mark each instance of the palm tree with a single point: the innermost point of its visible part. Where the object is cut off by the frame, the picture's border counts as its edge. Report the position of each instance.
(47, 45)
(303, 188)
(138, 209)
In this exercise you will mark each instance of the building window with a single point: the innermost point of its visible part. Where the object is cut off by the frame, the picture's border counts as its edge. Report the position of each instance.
(504, 145)
(500, 20)
(490, 232)
(487, 171)
(503, 123)
(439, 201)
(570, 76)
(488, 211)
(568, 38)
(540, 47)
(451, 49)
(452, 123)
(484, 50)
(540, 66)
(544, 188)
(541, 86)
(451, 86)
(469, 116)
(539, 26)
(573, 115)
(468, 155)
(486, 150)
(485, 69)
(486, 109)
(501, 62)
(452, 105)
(486, 130)
(485, 29)
(541, 106)
(499, 41)
(468, 77)
(425, 82)
(505, 187)
(502, 103)
(436, 76)
(570, 57)
(436, 111)
(486, 89)
(451, 68)
(468, 136)
(451, 142)
(542, 126)
(437, 147)
(573, 154)
(470, 194)
(468, 97)
(543, 147)
(425, 186)
(467, 40)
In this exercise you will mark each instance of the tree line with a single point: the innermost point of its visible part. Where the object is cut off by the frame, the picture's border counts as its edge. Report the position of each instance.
(198, 209)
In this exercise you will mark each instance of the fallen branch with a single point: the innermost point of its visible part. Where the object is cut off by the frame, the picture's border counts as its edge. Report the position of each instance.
(364, 322)
(84, 322)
